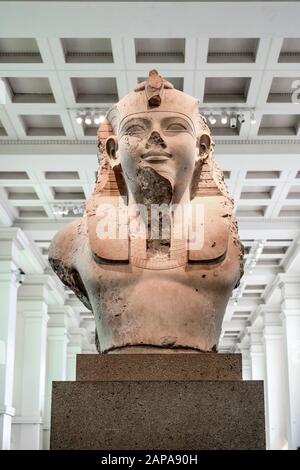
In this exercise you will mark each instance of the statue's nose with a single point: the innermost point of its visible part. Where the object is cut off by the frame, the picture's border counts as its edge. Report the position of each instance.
(156, 139)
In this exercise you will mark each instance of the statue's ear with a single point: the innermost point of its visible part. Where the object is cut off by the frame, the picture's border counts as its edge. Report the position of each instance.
(111, 147)
(204, 146)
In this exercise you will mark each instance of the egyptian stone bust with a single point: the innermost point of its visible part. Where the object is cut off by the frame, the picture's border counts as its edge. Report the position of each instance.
(155, 283)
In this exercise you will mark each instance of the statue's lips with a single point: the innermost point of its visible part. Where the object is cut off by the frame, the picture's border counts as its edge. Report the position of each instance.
(156, 157)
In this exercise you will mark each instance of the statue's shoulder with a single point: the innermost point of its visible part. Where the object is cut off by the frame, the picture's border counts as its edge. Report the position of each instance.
(213, 220)
(104, 248)
(63, 252)
(66, 242)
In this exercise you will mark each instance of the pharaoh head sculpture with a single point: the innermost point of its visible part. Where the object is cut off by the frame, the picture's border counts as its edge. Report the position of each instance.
(155, 149)
(160, 128)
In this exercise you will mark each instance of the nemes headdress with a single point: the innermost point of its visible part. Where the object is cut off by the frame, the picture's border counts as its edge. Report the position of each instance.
(158, 95)
(153, 95)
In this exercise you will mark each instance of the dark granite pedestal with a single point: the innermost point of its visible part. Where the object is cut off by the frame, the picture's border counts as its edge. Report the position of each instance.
(158, 401)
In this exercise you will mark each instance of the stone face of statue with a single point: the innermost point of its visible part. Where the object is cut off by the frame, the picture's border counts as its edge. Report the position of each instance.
(150, 295)
(164, 142)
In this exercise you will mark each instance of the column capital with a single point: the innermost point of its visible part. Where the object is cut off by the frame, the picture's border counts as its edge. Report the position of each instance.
(38, 314)
(290, 291)
(270, 314)
(7, 410)
(77, 336)
(289, 284)
(272, 325)
(59, 315)
(17, 247)
(283, 284)
(12, 235)
(41, 287)
(287, 314)
(27, 420)
(59, 322)
(272, 332)
(243, 348)
(9, 262)
(10, 274)
(256, 337)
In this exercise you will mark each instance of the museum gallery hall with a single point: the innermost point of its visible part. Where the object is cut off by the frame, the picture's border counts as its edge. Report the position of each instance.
(213, 86)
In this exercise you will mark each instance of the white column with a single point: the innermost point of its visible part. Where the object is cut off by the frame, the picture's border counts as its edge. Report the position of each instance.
(257, 357)
(30, 362)
(275, 387)
(290, 310)
(57, 341)
(244, 348)
(8, 296)
(76, 336)
(9, 283)
(257, 353)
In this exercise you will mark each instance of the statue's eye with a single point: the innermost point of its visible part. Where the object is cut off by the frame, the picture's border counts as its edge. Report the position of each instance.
(134, 129)
(176, 127)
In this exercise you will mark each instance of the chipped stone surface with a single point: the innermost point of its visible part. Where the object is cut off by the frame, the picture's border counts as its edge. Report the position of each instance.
(154, 148)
